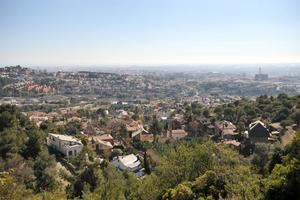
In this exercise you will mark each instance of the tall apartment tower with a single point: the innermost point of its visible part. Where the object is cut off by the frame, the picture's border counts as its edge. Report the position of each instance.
(260, 76)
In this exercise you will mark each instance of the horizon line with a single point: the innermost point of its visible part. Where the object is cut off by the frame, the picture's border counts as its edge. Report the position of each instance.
(145, 64)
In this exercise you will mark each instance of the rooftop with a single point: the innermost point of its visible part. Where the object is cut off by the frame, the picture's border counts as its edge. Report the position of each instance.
(65, 137)
(222, 125)
(252, 125)
(179, 132)
(129, 161)
(104, 137)
(105, 143)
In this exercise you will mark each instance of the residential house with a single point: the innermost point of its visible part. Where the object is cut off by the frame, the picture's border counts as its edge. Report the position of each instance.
(225, 130)
(65, 144)
(142, 135)
(101, 146)
(122, 114)
(129, 162)
(132, 127)
(38, 117)
(172, 135)
(275, 127)
(258, 132)
(178, 134)
(106, 138)
(274, 136)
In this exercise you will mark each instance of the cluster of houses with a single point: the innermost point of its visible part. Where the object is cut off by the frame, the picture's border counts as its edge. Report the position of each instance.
(257, 132)
(30, 87)
(121, 130)
(70, 146)
(105, 145)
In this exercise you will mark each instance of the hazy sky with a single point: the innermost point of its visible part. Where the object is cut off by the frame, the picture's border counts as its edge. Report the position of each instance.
(86, 32)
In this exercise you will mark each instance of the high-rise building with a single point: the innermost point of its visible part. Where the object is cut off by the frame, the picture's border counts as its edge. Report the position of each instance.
(260, 76)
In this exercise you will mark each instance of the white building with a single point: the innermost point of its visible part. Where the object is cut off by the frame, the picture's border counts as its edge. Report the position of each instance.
(129, 162)
(67, 145)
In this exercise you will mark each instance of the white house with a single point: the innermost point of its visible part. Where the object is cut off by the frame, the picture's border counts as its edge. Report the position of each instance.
(129, 162)
(67, 145)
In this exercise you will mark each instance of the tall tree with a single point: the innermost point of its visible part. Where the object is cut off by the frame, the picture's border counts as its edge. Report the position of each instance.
(296, 117)
(45, 172)
(146, 163)
(155, 127)
(33, 144)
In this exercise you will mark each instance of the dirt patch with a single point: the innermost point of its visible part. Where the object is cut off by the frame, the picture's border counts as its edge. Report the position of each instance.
(288, 136)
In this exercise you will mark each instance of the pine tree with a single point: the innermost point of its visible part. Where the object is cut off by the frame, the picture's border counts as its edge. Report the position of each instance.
(146, 164)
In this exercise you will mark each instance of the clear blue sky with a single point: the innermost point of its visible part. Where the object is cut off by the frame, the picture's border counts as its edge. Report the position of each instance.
(86, 32)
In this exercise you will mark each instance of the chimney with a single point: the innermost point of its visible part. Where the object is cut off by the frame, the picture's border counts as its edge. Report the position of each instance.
(259, 70)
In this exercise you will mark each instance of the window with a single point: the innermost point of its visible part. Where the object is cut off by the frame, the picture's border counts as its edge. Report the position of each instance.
(70, 153)
(75, 152)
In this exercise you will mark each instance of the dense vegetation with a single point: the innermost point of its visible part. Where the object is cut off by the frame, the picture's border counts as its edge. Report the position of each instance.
(184, 170)
(283, 109)
(26, 166)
